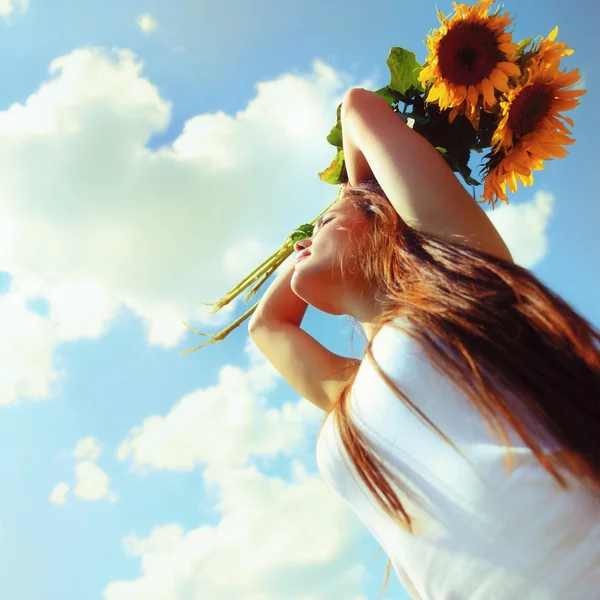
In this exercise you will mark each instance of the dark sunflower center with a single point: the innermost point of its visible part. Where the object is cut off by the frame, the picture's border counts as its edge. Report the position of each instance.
(468, 53)
(529, 108)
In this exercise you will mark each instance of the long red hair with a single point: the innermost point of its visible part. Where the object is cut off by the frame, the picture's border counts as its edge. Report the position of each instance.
(506, 331)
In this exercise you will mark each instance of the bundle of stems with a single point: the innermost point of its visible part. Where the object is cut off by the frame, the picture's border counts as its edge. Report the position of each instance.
(257, 277)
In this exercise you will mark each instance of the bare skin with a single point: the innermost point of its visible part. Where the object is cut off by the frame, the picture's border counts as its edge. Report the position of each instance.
(377, 145)
(317, 278)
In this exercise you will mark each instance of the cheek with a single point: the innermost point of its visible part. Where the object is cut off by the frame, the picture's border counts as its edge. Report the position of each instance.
(346, 242)
(337, 244)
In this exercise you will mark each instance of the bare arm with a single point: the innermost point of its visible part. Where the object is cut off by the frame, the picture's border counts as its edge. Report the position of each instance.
(313, 371)
(416, 179)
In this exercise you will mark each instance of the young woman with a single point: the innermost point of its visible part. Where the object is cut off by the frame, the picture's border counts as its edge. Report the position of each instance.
(468, 438)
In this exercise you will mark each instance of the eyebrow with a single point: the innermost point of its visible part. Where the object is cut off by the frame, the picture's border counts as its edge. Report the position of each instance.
(320, 220)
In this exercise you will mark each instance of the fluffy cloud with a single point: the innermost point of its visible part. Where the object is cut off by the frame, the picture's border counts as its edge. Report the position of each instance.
(313, 555)
(8, 7)
(58, 495)
(147, 23)
(87, 448)
(27, 343)
(524, 227)
(283, 540)
(91, 482)
(188, 435)
(112, 223)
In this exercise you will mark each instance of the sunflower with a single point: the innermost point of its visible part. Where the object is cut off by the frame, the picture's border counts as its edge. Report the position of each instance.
(549, 50)
(471, 54)
(531, 128)
(530, 112)
(508, 169)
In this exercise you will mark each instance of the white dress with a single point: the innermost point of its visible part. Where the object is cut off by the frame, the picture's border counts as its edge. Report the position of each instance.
(486, 536)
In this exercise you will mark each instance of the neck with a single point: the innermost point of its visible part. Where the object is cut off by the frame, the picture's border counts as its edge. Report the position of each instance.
(365, 309)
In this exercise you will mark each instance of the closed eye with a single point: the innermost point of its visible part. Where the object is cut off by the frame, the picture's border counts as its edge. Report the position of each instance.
(323, 222)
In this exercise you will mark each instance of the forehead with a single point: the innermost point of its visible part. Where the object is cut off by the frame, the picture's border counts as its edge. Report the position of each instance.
(346, 207)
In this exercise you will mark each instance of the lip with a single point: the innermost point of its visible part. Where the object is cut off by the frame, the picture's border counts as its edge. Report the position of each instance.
(302, 255)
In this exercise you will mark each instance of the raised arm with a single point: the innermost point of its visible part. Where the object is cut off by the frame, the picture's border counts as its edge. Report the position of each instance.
(416, 179)
(312, 370)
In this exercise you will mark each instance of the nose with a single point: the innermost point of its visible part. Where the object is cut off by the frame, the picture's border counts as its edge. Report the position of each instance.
(302, 245)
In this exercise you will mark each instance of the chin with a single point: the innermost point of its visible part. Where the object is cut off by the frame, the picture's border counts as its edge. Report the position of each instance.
(316, 296)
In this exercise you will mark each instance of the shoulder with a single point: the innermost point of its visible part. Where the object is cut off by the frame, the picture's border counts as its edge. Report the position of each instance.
(397, 351)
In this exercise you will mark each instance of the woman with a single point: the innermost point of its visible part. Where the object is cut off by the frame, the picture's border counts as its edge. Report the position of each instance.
(468, 439)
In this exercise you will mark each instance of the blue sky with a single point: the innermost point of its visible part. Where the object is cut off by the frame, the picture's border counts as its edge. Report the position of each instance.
(147, 165)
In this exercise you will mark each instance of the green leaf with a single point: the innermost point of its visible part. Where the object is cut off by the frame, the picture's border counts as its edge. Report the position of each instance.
(523, 44)
(335, 135)
(440, 14)
(303, 232)
(458, 166)
(404, 72)
(389, 95)
(336, 172)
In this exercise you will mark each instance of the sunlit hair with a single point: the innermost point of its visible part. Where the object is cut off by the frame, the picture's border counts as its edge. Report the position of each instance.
(515, 348)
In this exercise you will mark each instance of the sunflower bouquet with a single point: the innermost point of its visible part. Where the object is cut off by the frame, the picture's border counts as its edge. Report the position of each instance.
(477, 90)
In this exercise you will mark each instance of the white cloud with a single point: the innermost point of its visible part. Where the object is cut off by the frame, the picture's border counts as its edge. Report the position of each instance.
(91, 482)
(287, 540)
(87, 448)
(8, 7)
(112, 224)
(314, 556)
(243, 256)
(523, 228)
(147, 23)
(59, 493)
(232, 416)
(27, 344)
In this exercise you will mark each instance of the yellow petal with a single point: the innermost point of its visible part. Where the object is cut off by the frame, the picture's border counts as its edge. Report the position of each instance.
(507, 47)
(570, 78)
(564, 104)
(488, 92)
(444, 99)
(472, 95)
(509, 68)
(539, 151)
(499, 79)
(426, 73)
(434, 93)
(461, 93)
(568, 120)
(552, 36)
(521, 169)
(557, 151)
(570, 93)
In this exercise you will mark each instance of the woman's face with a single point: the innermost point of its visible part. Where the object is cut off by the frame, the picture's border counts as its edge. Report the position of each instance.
(317, 277)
